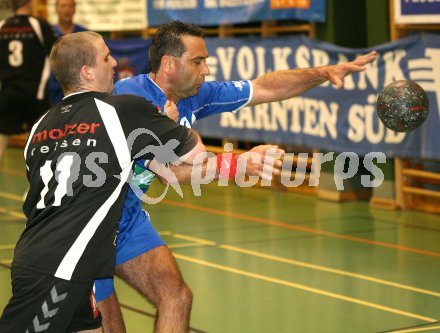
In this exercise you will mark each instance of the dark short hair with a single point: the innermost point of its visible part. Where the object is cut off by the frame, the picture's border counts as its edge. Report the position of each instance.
(15, 4)
(57, 1)
(70, 53)
(168, 41)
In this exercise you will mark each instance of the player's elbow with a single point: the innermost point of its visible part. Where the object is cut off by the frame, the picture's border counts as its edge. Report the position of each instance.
(192, 155)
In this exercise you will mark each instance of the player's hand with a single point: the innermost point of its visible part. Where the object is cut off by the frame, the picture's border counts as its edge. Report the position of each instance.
(170, 109)
(263, 161)
(337, 73)
(364, 59)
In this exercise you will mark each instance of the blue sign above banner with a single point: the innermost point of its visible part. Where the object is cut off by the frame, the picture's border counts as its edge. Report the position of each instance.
(217, 12)
(326, 118)
(416, 11)
(417, 7)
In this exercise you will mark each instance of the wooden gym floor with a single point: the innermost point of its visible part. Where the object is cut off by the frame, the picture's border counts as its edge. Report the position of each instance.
(265, 261)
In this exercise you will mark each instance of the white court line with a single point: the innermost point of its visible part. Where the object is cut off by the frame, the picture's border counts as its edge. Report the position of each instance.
(416, 329)
(11, 196)
(303, 287)
(13, 213)
(303, 264)
(296, 285)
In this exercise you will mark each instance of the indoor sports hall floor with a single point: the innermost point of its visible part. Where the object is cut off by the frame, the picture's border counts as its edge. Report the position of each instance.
(271, 261)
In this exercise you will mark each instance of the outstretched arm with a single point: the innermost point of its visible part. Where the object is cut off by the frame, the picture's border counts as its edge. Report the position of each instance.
(283, 84)
(265, 164)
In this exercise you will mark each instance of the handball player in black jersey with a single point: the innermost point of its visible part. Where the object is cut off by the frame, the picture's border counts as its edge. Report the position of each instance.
(25, 44)
(79, 156)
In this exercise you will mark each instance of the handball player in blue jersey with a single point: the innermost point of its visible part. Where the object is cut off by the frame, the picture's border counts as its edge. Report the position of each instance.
(177, 79)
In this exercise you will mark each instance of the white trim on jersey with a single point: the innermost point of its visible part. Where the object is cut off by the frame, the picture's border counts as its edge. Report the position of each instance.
(119, 142)
(114, 127)
(37, 29)
(45, 74)
(251, 93)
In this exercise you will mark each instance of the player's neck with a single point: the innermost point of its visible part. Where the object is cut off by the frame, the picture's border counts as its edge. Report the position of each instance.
(163, 84)
(75, 92)
(66, 27)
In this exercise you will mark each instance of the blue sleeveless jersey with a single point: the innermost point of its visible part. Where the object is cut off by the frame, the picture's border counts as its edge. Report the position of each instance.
(212, 98)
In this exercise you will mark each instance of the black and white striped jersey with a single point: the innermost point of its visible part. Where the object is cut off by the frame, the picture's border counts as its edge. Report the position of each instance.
(79, 156)
(25, 44)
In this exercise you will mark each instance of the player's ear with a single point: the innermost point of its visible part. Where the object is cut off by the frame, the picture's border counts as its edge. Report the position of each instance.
(167, 64)
(86, 74)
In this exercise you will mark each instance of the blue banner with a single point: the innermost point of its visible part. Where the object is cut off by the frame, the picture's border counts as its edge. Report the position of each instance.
(217, 12)
(131, 54)
(324, 118)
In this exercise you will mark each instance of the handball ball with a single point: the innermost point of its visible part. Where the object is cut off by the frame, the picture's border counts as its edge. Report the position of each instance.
(402, 106)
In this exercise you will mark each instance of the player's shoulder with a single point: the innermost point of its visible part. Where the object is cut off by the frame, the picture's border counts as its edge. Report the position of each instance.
(128, 107)
(11, 21)
(111, 99)
(131, 104)
(129, 83)
(42, 21)
(79, 28)
(214, 86)
(236, 84)
(127, 100)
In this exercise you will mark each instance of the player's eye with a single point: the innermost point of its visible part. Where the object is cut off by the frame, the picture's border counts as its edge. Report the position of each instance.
(198, 62)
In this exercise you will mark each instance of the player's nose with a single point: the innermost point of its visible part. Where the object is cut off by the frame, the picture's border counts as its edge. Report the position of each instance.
(114, 63)
(206, 70)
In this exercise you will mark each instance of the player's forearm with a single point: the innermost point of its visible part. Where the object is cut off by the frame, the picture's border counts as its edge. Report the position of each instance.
(189, 173)
(284, 84)
(262, 161)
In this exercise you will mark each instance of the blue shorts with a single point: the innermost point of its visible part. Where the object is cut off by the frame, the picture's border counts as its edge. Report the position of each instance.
(136, 236)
